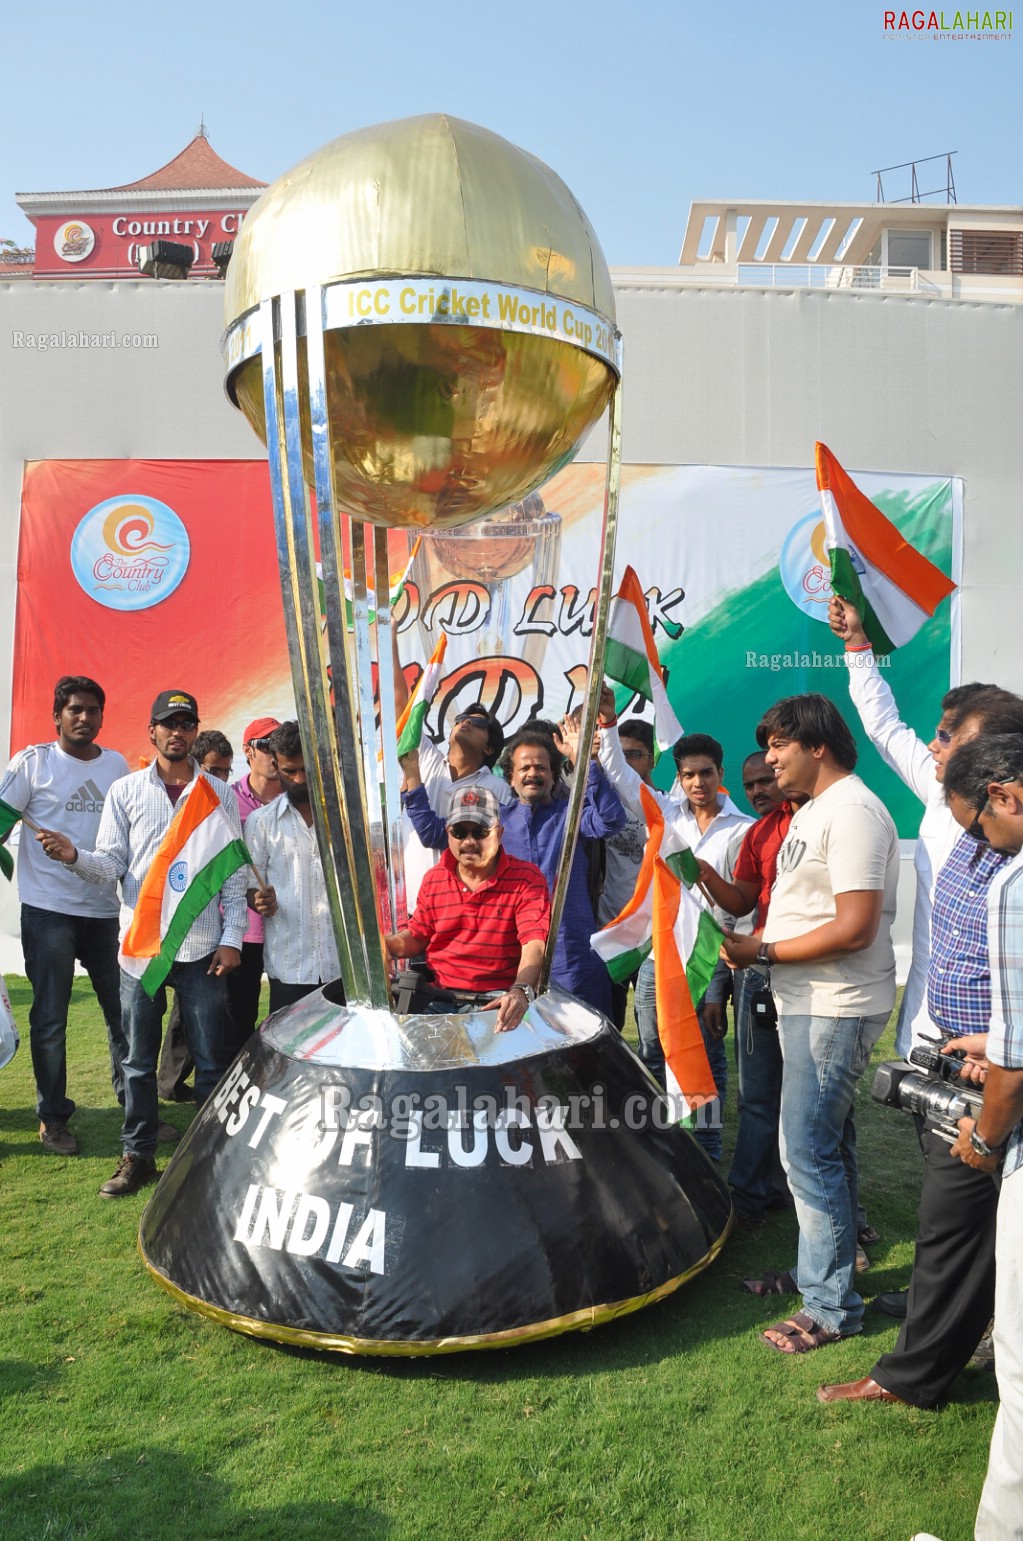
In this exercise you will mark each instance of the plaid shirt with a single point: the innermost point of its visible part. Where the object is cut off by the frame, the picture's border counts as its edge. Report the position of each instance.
(959, 976)
(1005, 929)
(135, 818)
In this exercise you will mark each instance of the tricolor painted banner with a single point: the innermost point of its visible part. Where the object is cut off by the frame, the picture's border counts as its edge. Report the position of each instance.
(873, 566)
(198, 854)
(631, 658)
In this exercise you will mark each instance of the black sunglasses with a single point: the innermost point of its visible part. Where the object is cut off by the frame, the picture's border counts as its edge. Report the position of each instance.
(260, 743)
(469, 831)
(183, 724)
(471, 716)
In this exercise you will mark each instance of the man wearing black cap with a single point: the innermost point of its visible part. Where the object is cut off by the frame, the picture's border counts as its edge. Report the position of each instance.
(482, 916)
(136, 815)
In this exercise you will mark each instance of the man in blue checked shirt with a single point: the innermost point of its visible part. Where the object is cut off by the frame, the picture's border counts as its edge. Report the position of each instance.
(951, 1291)
(985, 792)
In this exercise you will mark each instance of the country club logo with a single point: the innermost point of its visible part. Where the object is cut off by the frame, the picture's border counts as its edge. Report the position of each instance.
(805, 568)
(74, 241)
(130, 552)
(177, 877)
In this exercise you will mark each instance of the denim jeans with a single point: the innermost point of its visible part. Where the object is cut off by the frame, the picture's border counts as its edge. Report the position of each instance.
(201, 996)
(824, 1058)
(51, 944)
(652, 1055)
(756, 1177)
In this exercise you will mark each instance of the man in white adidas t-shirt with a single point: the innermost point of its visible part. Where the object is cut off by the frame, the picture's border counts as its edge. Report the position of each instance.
(63, 785)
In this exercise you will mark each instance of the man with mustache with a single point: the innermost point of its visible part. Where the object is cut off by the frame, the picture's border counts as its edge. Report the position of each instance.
(482, 917)
(299, 951)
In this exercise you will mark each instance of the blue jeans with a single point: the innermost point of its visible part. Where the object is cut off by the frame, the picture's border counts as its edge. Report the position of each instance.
(201, 996)
(756, 1177)
(52, 943)
(652, 1055)
(824, 1059)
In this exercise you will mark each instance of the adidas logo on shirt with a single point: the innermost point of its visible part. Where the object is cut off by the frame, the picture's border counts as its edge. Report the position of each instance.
(87, 799)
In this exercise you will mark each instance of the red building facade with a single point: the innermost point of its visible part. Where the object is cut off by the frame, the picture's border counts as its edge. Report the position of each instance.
(197, 199)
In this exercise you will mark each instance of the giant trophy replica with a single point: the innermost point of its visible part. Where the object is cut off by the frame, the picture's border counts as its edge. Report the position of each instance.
(421, 328)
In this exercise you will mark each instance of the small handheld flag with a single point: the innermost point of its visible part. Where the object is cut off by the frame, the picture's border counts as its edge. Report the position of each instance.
(412, 719)
(631, 657)
(197, 855)
(892, 585)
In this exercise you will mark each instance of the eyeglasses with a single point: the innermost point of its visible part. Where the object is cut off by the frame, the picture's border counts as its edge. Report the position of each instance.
(183, 724)
(474, 717)
(260, 743)
(637, 754)
(943, 736)
(469, 831)
(977, 832)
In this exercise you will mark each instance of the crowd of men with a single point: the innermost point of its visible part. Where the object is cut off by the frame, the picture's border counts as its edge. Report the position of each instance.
(804, 889)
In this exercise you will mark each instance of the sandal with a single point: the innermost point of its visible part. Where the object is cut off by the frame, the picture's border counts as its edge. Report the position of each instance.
(801, 1334)
(867, 1236)
(772, 1284)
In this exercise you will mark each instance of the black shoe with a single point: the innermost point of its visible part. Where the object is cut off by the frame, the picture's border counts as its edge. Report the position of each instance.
(892, 1304)
(748, 1220)
(133, 1173)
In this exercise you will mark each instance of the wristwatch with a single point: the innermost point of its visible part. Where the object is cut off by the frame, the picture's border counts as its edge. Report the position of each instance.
(527, 991)
(982, 1147)
(763, 956)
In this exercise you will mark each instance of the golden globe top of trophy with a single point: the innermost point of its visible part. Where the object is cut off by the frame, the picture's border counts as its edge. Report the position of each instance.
(421, 327)
(443, 338)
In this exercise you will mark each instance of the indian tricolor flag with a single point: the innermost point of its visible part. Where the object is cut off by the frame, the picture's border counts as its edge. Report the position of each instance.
(199, 853)
(664, 915)
(8, 818)
(410, 723)
(632, 660)
(873, 566)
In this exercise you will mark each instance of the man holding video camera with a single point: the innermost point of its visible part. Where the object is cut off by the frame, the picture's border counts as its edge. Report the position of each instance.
(951, 1291)
(985, 792)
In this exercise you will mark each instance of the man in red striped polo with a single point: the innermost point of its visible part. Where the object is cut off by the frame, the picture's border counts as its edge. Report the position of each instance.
(482, 916)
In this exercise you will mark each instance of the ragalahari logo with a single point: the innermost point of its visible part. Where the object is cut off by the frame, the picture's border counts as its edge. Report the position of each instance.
(74, 240)
(130, 552)
(805, 568)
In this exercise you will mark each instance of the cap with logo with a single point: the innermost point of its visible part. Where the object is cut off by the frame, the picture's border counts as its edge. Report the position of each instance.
(474, 805)
(261, 728)
(169, 703)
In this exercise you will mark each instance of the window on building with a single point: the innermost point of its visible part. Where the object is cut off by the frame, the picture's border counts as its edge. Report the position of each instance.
(909, 248)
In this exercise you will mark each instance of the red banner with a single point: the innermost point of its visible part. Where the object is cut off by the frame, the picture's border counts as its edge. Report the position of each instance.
(146, 575)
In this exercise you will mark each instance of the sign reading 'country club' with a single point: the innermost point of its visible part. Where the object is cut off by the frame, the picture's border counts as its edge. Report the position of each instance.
(130, 552)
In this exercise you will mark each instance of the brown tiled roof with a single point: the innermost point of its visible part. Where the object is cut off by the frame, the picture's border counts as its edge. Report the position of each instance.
(198, 165)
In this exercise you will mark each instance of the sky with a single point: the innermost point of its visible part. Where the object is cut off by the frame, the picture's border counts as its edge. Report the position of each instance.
(640, 107)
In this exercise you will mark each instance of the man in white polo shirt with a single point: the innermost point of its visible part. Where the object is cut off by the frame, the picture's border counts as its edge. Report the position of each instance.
(63, 783)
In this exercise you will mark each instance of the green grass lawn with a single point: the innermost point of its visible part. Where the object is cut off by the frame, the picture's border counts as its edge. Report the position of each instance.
(122, 1415)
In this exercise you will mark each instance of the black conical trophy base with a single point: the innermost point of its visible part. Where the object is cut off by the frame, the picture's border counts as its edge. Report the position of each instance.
(375, 1184)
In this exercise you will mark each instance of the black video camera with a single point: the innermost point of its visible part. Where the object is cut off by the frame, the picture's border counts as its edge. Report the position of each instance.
(933, 1090)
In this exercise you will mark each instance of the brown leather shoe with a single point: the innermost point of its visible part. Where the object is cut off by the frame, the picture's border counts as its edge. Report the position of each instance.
(166, 1134)
(56, 1136)
(133, 1173)
(865, 1390)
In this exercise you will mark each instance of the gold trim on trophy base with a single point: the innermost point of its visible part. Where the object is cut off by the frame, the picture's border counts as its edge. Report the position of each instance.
(339, 1343)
